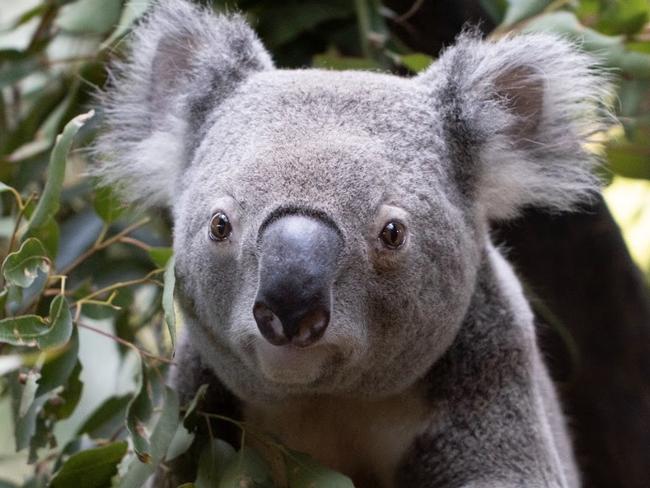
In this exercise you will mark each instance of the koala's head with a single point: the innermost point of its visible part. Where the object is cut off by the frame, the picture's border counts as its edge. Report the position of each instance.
(329, 226)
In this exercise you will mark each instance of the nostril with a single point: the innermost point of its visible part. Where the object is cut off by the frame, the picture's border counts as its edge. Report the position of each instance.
(311, 328)
(301, 332)
(269, 324)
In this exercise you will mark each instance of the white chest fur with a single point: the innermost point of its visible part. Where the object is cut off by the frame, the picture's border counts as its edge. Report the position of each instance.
(362, 439)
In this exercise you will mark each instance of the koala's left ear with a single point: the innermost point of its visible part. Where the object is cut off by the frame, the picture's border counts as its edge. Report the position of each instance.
(517, 114)
(184, 60)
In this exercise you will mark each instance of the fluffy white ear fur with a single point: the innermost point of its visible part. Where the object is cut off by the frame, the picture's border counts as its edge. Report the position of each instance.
(183, 61)
(523, 107)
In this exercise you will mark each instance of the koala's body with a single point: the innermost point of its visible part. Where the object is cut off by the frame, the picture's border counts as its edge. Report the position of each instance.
(331, 231)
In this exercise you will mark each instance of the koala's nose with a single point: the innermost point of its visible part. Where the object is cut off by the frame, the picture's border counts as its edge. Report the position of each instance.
(297, 267)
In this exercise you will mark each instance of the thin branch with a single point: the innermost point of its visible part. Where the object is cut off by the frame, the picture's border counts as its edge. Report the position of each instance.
(98, 246)
(124, 342)
(21, 213)
(135, 242)
(121, 284)
(410, 12)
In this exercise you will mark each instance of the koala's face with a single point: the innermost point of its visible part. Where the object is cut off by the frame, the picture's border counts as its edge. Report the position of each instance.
(328, 226)
(320, 239)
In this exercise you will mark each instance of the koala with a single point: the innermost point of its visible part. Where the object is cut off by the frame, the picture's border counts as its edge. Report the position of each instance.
(335, 271)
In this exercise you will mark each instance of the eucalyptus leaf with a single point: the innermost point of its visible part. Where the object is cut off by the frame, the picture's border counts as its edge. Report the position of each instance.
(92, 468)
(48, 204)
(161, 255)
(138, 413)
(304, 472)
(107, 205)
(138, 472)
(106, 418)
(246, 468)
(184, 436)
(132, 11)
(64, 404)
(214, 458)
(416, 62)
(56, 371)
(90, 16)
(522, 9)
(60, 324)
(24, 330)
(29, 391)
(21, 267)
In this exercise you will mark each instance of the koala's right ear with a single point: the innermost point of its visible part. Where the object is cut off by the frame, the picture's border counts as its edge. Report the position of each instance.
(183, 62)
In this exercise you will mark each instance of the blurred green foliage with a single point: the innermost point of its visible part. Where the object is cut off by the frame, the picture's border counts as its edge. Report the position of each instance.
(86, 295)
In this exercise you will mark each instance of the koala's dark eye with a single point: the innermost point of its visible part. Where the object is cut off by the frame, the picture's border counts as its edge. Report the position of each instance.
(220, 227)
(393, 234)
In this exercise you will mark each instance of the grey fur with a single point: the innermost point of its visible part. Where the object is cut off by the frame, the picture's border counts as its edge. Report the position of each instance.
(440, 324)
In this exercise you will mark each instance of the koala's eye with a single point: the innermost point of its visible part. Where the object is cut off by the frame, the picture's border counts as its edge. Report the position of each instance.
(220, 227)
(393, 234)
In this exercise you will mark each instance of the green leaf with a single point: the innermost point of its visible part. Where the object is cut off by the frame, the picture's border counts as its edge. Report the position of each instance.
(29, 391)
(163, 433)
(336, 62)
(21, 267)
(60, 324)
(609, 49)
(107, 205)
(138, 413)
(32, 330)
(49, 235)
(161, 255)
(623, 17)
(214, 458)
(24, 426)
(64, 404)
(180, 443)
(132, 11)
(168, 300)
(184, 436)
(92, 468)
(90, 16)
(48, 204)
(56, 371)
(106, 418)
(305, 15)
(247, 468)
(416, 62)
(630, 158)
(15, 71)
(496, 9)
(23, 330)
(519, 10)
(305, 472)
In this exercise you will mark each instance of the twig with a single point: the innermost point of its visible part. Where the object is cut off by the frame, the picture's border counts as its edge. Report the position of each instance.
(21, 213)
(121, 284)
(98, 246)
(410, 12)
(135, 242)
(124, 342)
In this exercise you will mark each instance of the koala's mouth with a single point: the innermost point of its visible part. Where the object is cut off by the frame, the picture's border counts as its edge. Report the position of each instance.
(292, 365)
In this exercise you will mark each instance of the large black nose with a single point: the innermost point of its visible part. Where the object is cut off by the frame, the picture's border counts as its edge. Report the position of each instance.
(297, 266)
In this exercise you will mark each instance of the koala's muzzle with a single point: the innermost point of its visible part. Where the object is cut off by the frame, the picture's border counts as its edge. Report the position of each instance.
(297, 266)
